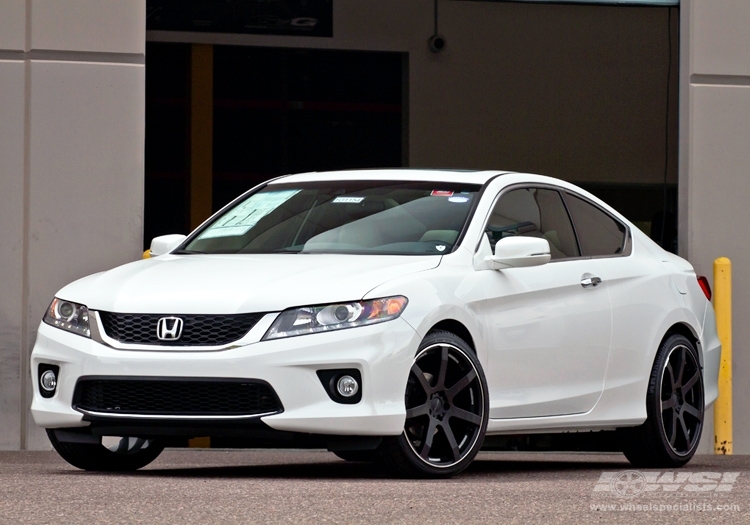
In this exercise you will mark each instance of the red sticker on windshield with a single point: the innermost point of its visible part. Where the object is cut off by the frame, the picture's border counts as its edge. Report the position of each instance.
(441, 193)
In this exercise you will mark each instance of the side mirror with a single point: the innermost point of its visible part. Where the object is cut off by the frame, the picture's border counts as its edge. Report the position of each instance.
(520, 252)
(165, 244)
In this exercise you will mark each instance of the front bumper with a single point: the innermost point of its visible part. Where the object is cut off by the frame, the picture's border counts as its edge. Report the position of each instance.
(382, 353)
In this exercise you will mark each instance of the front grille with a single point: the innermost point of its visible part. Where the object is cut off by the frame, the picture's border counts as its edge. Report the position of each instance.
(198, 330)
(176, 397)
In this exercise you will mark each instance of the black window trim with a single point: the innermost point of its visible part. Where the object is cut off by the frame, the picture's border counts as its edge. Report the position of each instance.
(563, 192)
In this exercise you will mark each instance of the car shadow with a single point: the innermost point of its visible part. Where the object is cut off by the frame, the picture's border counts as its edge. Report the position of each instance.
(482, 467)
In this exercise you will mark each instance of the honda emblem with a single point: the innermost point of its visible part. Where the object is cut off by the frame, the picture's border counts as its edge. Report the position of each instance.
(169, 328)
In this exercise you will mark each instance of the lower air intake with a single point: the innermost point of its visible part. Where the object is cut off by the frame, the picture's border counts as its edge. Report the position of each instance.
(176, 397)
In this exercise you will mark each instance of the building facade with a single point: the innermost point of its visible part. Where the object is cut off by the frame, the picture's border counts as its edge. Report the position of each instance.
(628, 100)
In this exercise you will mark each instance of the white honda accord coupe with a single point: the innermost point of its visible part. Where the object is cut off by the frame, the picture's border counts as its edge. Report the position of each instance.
(392, 315)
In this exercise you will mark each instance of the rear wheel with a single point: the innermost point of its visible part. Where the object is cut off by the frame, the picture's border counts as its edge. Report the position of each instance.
(675, 408)
(446, 411)
(113, 454)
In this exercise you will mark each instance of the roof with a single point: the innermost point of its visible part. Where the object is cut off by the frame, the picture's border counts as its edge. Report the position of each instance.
(412, 174)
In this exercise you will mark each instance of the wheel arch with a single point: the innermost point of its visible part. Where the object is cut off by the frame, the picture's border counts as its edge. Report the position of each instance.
(685, 330)
(456, 328)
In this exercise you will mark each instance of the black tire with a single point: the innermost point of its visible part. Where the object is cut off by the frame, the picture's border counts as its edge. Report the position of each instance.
(361, 456)
(675, 409)
(447, 407)
(129, 454)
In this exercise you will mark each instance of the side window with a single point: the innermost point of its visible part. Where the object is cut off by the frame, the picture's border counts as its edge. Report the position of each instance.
(534, 212)
(598, 232)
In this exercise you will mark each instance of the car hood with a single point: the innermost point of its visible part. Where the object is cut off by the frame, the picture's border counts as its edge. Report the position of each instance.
(220, 284)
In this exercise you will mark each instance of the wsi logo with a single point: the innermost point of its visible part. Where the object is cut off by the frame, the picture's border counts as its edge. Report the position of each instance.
(631, 483)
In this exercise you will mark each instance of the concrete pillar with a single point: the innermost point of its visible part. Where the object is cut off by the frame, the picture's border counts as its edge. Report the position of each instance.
(72, 109)
(715, 167)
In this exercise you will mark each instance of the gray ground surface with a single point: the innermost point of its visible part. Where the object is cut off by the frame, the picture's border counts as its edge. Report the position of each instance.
(256, 486)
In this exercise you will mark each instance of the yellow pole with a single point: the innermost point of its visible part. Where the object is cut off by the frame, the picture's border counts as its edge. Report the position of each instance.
(201, 148)
(723, 307)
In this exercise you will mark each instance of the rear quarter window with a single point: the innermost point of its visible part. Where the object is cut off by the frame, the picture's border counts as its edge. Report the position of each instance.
(599, 234)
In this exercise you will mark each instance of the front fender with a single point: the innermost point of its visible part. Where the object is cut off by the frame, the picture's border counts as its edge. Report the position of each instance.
(445, 295)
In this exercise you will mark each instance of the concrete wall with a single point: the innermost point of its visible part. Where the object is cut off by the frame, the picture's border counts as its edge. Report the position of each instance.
(71, 167)
(715, 166)
(12, 85)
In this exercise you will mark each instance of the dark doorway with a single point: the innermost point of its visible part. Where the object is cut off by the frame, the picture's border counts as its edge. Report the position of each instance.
(275, 111)
(167, 146)
(280, 111)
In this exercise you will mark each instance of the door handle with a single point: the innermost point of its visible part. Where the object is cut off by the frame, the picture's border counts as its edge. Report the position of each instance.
(591, 282)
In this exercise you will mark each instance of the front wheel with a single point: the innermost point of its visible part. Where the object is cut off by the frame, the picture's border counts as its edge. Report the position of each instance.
(675, 408)
(114, 454)
(446, 411)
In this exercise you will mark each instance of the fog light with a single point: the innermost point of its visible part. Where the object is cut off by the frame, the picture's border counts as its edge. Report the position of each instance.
(48, 381)
(347, 386)
(343, 385)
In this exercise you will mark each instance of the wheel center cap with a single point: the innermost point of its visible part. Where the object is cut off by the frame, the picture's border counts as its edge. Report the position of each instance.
(677, 402)
(438, 406)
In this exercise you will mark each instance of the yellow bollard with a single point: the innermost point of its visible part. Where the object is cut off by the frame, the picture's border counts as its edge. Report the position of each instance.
(723, 307)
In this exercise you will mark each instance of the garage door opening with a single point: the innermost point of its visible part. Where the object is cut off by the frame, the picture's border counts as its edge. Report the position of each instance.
(221, 119)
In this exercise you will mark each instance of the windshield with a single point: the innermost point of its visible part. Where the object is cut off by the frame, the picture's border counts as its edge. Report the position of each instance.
(382, 217)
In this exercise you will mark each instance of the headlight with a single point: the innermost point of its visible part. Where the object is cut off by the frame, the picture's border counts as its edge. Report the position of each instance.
(311, 319)
(68, 316)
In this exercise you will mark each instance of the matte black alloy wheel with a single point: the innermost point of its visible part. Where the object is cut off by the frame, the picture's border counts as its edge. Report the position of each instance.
(681, 400)
(446, 409)
(675, 408)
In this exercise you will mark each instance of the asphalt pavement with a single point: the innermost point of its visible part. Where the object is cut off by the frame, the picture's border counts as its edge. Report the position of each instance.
(258, 486)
